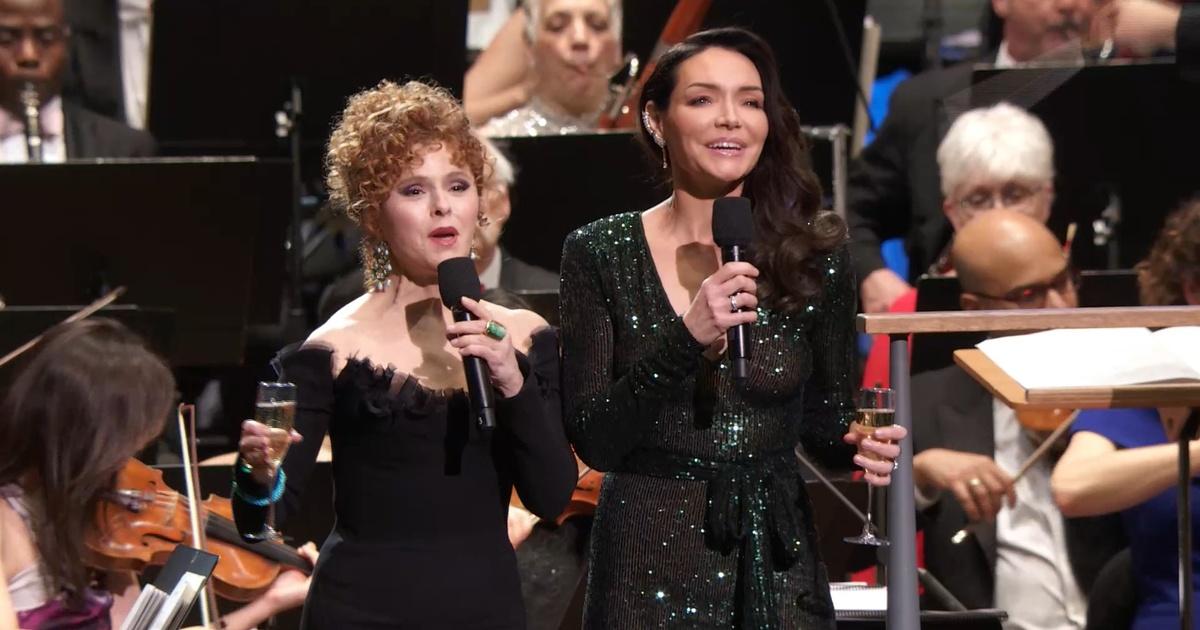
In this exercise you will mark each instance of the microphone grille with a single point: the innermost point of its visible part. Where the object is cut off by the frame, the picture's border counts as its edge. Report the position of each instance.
(457, 279)
(732, 223)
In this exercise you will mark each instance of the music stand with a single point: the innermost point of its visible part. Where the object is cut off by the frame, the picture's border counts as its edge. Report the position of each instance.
(1123, 131)
(202, 237)
(221, 69)
(558, 191)
(19, 324)
(903, 610)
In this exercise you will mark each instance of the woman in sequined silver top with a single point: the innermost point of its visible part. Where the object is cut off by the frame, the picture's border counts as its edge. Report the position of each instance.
(703, 520)
(574, 48)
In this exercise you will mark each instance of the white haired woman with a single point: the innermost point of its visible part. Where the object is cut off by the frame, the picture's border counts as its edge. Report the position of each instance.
(992, 157)
(547, 71)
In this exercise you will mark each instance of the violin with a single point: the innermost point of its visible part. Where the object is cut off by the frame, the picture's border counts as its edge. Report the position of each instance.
(141, 521)
(686, 18)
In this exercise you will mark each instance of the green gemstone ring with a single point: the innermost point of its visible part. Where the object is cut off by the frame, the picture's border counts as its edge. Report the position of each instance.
(495, 330)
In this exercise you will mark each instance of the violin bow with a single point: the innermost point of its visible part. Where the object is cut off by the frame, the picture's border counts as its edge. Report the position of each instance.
(191, 473)
(83, 313)
(1033, 458)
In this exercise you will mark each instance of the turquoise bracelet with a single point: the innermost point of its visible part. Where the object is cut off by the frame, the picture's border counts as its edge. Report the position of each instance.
(276, 491)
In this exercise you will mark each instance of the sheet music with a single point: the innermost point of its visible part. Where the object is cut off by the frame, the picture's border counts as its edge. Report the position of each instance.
(144, 609)
(857, 596)
(1106, 357)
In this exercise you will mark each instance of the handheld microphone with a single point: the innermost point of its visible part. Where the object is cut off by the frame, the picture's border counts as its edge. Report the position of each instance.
(457, 279)
(733, 231)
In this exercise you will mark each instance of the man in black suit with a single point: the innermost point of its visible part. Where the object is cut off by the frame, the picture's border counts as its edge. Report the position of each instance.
(1021, 555)
(894, 190)
(33, 51)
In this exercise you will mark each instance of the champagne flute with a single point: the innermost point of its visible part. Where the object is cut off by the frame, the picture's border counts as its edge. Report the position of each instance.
(876, 408)
(275, 406)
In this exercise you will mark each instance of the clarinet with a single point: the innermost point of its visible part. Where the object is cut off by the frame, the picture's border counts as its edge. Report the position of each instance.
(32, 111)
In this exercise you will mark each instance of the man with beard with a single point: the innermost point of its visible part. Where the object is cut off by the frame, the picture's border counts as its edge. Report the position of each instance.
(894, 188)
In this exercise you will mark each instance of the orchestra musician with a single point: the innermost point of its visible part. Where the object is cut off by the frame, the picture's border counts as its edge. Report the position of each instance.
(893, 189)
(1021, 556)
(1124, 460)
(992, 157)
(89, 396)
(421, 493)
(703, 519)
(547, 71)
(33, 50)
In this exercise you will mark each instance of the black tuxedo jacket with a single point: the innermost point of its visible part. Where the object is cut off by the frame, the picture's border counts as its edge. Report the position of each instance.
(90, 135)
(951, 410)
(894, 188)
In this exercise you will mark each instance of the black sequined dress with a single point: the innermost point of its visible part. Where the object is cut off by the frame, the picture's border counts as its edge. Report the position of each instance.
(421, 495)
(703, 520)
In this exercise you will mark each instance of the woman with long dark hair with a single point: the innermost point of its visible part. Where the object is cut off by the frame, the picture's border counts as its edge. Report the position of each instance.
(703, 519)
(88, 398)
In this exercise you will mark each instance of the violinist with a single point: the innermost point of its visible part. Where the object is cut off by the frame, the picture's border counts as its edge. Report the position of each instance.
(1022, 556)
(421, 493)
(89, 397)
(1124, 460)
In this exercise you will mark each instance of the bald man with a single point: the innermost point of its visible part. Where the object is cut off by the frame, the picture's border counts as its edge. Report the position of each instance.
(33, 52)
(968, 445)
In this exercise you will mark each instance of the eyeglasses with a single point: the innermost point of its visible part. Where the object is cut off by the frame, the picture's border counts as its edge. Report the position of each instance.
(1009, 194)
(42, 35)
(1034, 295)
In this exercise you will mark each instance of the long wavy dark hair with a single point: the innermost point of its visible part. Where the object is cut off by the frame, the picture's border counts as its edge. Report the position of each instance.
(1174, 261)
(791, 233)
(87, 399)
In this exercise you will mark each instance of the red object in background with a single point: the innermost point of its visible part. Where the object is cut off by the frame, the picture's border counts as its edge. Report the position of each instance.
(876, 369)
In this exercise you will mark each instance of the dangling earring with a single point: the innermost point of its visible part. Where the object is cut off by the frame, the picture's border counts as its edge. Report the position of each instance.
(662, 144)
(377, 265)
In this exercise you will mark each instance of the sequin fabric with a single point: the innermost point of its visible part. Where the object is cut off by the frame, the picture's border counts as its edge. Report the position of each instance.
(703, 520)
(538, 119)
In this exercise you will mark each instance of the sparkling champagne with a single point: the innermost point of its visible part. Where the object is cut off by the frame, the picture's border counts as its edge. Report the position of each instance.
(870, 419)
(279, 416)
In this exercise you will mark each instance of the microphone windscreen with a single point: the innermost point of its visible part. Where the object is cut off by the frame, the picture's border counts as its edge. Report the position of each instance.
(457, 279)
(732, 223)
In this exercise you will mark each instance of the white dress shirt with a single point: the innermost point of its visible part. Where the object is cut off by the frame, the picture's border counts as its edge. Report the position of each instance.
(490, 277)
(12, 135)
(1034, 582)
(134, 18)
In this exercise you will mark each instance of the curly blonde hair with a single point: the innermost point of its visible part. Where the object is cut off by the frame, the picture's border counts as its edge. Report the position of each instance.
(382, 132)
(1174, 261)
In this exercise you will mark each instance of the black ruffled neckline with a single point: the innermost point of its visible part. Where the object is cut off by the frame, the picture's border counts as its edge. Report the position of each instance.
(385, 390)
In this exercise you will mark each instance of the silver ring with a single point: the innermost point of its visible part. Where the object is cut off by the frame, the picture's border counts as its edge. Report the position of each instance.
(733, 305)
(895, 464)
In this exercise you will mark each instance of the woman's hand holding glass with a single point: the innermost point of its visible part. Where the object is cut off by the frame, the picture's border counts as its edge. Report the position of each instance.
(725, 299)
(878, 452)
(483, 337)
(256, 447)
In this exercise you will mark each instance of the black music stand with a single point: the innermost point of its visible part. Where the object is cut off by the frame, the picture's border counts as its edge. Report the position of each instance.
(221, 69)
(565, 182)
(19, 324)
(1124, 132)
(203, 238)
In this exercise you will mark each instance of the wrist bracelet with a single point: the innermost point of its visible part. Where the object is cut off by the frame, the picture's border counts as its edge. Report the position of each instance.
(276, 491)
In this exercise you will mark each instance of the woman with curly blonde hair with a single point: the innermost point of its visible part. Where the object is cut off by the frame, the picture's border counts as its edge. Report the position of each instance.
(420, 492)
